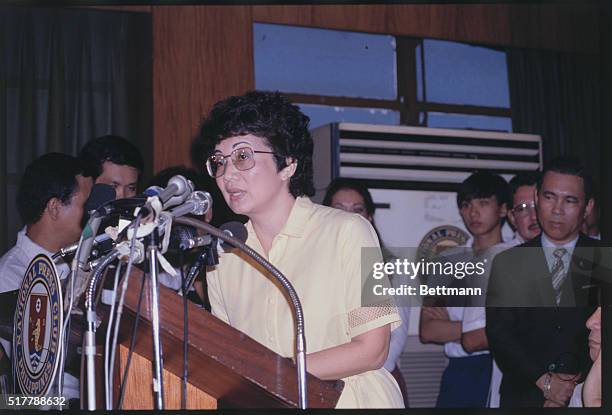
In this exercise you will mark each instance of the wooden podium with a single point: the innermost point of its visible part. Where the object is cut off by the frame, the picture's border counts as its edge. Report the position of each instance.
(226, 367)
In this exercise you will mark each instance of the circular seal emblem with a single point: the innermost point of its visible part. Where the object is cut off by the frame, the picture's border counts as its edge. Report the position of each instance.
(439, 239)
(38, 322)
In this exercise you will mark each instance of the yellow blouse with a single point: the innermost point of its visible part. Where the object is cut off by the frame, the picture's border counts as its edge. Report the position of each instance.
(319, 251)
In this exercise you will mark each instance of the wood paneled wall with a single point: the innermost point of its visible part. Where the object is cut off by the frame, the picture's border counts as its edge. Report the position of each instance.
(571, 27)
(201, 54)
(205, 53)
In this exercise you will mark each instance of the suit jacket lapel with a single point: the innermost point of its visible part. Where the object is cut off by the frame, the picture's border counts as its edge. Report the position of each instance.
(576, 286)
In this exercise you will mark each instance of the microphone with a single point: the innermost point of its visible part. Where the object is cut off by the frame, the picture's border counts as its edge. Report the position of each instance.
(194, 242)
(100, 194)
(181, 233)
(177, 186)
(100, 241)
(198, 203)
(153, 191)
(236, 230)
(208, 255)
(233, 229)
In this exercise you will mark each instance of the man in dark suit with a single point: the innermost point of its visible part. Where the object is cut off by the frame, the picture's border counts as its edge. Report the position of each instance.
(541, 293)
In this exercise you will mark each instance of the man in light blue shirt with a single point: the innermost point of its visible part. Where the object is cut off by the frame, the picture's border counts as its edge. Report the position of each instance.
(540, 294)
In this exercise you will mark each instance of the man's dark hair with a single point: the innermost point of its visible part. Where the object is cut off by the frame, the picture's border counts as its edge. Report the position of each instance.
(51, 175)
(483, 184)
(340, 183)
(571, 166)
(527, 178)
(111, 148)
(272, 117)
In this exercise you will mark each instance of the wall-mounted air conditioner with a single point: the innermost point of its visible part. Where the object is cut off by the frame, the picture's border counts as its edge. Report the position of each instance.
(404, 157)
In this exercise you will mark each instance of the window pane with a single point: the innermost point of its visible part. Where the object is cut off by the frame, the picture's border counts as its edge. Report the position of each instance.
(324, 62)
(474, 122)
(457, 73)
(322, 114)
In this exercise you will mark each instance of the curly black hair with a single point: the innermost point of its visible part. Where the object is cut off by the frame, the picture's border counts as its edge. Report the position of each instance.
(268, 115)
(111, 148)
(52, 175)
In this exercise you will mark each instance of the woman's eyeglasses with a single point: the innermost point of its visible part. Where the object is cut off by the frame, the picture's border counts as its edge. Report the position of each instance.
(243, 159)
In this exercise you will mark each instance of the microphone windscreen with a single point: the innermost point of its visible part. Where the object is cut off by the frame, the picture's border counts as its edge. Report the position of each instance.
(235, 229)
(100, 194)
(153, 191)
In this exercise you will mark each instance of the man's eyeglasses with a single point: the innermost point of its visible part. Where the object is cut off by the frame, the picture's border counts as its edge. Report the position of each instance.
(523, 209)
(243, 159)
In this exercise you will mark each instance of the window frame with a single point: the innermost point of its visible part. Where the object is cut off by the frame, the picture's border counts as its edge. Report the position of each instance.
(407, 102)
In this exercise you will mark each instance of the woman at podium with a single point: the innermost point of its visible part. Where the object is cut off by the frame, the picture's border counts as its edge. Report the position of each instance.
(260, 153)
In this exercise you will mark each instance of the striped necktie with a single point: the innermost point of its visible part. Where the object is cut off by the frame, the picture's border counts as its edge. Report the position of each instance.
(558, 272)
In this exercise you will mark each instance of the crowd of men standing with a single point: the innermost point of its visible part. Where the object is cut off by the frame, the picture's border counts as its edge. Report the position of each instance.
(528, 344)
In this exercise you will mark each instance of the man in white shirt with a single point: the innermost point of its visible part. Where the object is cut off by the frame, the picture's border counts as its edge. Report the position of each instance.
(482, 200)
(50, 200)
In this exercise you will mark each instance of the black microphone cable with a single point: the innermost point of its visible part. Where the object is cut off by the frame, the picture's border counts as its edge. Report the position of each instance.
(124, 285)
(128, 361)
(185, 333)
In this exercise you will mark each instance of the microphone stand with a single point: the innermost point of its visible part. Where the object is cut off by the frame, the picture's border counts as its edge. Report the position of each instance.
(152, 249)
(300, 340)
(89, 342)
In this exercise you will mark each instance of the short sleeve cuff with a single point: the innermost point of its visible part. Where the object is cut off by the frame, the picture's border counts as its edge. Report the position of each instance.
(364, 319)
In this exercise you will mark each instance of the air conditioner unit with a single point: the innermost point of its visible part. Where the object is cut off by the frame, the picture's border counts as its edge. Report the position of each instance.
(418, 158)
